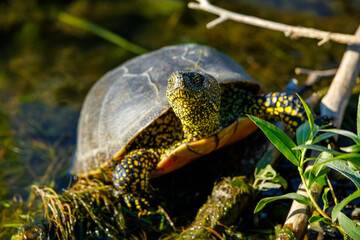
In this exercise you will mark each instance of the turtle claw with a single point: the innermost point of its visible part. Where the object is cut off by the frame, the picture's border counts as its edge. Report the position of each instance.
(134, 202)
(140, 204)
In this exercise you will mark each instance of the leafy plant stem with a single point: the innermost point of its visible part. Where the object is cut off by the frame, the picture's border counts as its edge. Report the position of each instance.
(302, 160)
(308, 188)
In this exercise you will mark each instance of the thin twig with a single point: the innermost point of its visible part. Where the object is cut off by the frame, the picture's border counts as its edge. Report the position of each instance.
(288, 30)
(213, 232)
(171, 223)
(314, 76)
(320, 73)
(332, 190)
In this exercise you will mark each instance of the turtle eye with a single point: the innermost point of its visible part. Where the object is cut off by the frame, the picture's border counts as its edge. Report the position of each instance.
(197, 80)
(171, 80)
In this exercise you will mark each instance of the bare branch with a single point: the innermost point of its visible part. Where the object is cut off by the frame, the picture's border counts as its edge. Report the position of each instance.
(316, 73)
(216, 21)
(288, 30)
(337, 98)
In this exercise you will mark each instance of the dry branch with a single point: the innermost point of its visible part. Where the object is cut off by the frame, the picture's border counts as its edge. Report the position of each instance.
(337, 98)
(288, 30)
(333, 104)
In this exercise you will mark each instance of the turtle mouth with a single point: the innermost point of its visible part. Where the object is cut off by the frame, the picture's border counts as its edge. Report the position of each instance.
(179, 93)
(179, 89)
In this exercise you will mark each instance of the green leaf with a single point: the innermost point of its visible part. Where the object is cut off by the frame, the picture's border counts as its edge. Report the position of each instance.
(351, 149)
(344, 169)
(343, 203)
(24, 216)
(12, 225)
(345, 133)
(280, 140)
(309, 176)
(318, 166)
(352, 160)
(320, 179)
(318, 218)
(269, 185)
(309, 115)
(280, 180)
(294, 196)
(350, 157)
(264, 161)
(318, 148)
(347, 156)
(325, 198)
(319, 171)
(350, 227)
(267, 178)
(322, 137)
(358, 118)
(315, 219)
(303, 133)
(354, 165)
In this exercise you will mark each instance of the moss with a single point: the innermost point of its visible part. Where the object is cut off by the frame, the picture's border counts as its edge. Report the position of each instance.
(223, 208)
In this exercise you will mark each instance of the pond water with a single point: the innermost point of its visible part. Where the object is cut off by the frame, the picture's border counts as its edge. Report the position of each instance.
(47, 66)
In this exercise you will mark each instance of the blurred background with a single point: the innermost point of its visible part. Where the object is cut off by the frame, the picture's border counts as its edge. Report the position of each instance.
(51, 53)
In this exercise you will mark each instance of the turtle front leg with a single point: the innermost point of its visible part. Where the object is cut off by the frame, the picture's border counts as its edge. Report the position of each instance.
(131, 177)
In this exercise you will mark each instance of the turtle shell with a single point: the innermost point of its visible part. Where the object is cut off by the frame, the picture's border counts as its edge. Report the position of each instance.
(129, 98)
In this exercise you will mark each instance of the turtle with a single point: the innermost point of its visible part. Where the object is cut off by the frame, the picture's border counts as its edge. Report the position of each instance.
(159, 111)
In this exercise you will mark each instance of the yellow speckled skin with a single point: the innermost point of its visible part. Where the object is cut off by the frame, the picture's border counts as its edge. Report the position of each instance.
(201, 109)
(195, 99)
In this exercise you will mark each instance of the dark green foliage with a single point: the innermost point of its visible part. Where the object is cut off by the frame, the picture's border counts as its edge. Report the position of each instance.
(341, 163)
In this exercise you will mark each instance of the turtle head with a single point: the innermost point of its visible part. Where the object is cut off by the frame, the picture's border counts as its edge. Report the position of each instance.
(195, 99)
